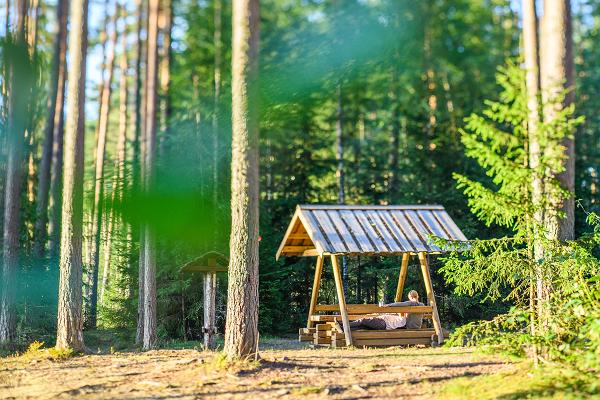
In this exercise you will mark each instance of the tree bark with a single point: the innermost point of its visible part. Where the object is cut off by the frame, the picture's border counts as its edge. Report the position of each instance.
(339, 143)
(70, 322)
(119, 167)
(90, 315)
(17, 117)
(165, 26)
(217, 42)
(53, 125)
(532, 80)
(557, 75)
(149, 340)
(138, 160)
(241, 331)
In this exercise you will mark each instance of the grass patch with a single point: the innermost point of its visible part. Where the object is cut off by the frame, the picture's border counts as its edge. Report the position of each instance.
(524, 382)
(35, 351)
(221, 363)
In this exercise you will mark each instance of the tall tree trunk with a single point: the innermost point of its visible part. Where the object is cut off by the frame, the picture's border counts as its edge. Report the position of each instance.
(165, 26)
(532, 80)
(241, 330)
(53, 125)
(395, 138)
(217, 43)
(119, 167)
(557, 75)
(7, 25)
(339, 142)
(90, 311)
(138, 160)
(18, 101)
(70, 322)
(149, 341)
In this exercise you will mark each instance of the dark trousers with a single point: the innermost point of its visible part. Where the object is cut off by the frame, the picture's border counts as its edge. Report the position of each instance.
(368, 323)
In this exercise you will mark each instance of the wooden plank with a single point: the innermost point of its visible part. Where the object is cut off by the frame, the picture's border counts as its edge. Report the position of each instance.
(374, 309)
(394, 334)
(332, 318)
(370, 231)
(315, 291)
(306, 331)
(402, 277)
(351, 317)
(392, 342)
(322, 340)
(305, 338)
(337, 242)
(422, 230)
(431, 297)
(361, 236)
(311, 253)
(409, 231)
(297, 249)
(336, 335)
(323, 327)
(300, 236)
(384, 231)
(342, 229)
(341, 299)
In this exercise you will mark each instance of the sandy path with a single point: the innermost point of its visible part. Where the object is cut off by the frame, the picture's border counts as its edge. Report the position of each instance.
(284, 373)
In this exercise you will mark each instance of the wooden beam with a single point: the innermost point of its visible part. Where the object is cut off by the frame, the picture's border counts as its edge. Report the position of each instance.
(431, 297)
(311, 253)
(297, 249)
(298, 236)
(315, 290)
(402, 277)
(373, 309)
(341, 299)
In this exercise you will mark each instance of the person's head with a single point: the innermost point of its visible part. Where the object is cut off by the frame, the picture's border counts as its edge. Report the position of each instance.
(413, 295)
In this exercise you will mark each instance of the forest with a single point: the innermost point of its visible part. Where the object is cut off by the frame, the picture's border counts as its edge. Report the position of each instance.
(141, 139)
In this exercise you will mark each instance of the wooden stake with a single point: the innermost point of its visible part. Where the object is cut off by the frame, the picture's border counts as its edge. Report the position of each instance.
(210, 288)
(431, 297)
(402, 277)
(315, 290)
(341, 299)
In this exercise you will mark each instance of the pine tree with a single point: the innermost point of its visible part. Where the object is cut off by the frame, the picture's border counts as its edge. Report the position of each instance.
(70, 299)
(241, 330)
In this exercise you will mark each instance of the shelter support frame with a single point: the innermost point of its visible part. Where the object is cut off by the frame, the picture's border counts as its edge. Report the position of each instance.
(399, 290)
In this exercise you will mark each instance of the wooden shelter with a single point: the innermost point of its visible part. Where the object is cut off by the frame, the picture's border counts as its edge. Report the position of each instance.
(340, 230)
(208, 265)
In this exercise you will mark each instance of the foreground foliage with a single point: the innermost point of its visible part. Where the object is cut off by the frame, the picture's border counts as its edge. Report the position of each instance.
(564, 326)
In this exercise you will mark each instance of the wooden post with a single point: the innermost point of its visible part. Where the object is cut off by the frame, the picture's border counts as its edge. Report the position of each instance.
(210, 289)
(402, 277)
(431, 297)
(341, 299)
(315, 290)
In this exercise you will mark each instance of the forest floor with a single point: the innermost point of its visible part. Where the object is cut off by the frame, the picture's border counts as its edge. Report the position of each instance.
(287, 370)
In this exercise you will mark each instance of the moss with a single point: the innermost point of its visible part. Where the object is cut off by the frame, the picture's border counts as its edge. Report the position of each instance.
(524, 382)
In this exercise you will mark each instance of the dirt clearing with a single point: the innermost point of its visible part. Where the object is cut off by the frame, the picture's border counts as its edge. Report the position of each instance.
(287, 371)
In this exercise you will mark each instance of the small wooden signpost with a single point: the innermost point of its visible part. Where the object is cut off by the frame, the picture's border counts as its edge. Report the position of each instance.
(208, 265)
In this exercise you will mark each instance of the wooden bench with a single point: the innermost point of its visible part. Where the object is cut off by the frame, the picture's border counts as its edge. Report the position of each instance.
(325, 332)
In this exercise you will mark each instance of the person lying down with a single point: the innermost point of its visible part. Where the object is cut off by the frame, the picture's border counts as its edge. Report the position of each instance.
(391, 320)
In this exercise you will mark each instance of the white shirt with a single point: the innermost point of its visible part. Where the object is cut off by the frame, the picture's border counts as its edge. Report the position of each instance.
(393, 321)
